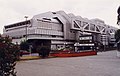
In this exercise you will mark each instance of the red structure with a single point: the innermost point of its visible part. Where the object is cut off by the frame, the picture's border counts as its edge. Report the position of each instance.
(74, 54)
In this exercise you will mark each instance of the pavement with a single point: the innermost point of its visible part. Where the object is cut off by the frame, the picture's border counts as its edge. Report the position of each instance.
(103, 64)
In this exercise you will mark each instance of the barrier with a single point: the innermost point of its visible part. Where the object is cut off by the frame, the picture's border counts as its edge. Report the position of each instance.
(74, 54)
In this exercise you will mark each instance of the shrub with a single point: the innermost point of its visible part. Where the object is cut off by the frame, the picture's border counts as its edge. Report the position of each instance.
(43, 51)
(9, 54)
(24, 45)
(117, 37)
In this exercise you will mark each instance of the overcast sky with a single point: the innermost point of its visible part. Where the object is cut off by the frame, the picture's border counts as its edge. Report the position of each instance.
(12, 11)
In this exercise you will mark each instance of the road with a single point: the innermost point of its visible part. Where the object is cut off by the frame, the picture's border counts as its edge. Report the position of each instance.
(103, 64)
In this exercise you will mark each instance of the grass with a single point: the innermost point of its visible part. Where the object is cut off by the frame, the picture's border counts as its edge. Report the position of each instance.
(28, 57)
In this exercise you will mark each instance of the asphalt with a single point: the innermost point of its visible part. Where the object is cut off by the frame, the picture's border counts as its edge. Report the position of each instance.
(103, 64)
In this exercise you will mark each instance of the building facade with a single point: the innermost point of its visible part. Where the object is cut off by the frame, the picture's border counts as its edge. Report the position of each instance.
(58, 30)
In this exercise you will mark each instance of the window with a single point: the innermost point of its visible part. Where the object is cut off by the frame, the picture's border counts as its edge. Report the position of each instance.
(17, 24)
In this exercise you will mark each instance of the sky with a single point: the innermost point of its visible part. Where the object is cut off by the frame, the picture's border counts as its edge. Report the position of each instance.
(12, 11)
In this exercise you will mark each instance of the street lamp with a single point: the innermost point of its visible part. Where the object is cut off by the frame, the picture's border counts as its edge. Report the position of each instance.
(26, 34)
(26, 28)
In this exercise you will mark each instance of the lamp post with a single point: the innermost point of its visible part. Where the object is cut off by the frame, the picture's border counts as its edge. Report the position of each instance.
(26, 34)
(26, 28)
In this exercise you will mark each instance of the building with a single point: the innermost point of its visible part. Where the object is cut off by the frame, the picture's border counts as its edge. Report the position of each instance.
(58, 30)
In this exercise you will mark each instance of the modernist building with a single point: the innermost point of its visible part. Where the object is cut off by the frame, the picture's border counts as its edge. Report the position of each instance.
(58, 29)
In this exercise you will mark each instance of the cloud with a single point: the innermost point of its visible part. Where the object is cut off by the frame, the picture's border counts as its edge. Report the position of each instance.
(30, 6)
(15, 10)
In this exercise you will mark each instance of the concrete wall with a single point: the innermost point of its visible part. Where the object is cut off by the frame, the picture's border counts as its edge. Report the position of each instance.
(56, 26)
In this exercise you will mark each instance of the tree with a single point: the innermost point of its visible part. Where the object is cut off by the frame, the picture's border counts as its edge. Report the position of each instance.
(117, 35)
(118, 11)
(43, 51)
(118, 17)
(9, 54)
(24, 45)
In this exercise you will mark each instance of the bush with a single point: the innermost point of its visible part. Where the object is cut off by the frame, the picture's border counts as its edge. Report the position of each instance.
(43, 51)
(117, 37)
(9, 54)
(24, 45)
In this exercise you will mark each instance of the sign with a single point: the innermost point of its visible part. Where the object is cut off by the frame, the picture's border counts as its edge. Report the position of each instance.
(77, 44)
(86, 38)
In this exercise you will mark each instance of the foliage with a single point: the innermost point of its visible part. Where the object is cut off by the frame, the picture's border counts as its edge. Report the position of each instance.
(117, 35)
(118, 11)
(43, 51)
(118, 17)
(24, 45)
(9, 54)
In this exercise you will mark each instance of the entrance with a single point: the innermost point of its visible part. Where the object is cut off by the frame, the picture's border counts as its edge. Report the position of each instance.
(35, 43)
